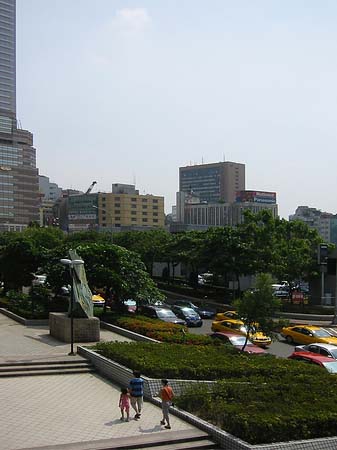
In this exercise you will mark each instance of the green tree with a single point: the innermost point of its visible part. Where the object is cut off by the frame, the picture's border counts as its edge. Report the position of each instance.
(109, 267)
(18, 261)
(258, 306)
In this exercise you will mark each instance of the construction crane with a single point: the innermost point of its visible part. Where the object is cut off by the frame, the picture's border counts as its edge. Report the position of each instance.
(91, 187)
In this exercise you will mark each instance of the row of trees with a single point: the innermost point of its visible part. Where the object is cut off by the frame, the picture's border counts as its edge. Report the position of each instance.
(260, 245)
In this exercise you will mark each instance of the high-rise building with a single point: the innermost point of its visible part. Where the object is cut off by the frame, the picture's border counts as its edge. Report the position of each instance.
(19, 187)
(215, 182)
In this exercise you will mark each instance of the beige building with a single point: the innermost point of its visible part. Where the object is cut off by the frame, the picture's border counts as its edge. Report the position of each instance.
(124, 208)
(214, 182)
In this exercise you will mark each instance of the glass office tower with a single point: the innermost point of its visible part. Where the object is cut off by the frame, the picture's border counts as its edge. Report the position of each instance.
(19, 192)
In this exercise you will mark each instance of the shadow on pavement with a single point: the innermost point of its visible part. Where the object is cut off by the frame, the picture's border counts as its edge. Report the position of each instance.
(46, 339)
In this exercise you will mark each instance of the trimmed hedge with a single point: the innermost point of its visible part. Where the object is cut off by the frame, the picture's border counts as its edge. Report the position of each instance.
(202, 362)
(162, 331)
(271, 411)
(259, 399)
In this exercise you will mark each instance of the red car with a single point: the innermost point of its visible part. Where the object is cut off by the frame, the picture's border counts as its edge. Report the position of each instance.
(238, 341)
(313, 358)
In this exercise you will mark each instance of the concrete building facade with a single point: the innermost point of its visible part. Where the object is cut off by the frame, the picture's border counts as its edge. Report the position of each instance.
(19, 191)
(214, 182)
(323, 222)
(125, 208)
(195, 214)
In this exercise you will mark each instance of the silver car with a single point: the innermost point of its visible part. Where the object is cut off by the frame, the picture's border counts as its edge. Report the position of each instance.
(322, 349)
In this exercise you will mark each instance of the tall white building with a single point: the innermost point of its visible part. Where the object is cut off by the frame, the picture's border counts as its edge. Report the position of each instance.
(19, 192)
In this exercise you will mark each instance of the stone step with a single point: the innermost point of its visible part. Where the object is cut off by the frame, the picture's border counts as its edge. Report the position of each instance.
(202, 444)
(42, 366)
(166, 440)
(47, 371)
(44, 362)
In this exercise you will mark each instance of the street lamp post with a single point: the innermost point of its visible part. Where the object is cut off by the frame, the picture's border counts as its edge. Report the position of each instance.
(71, 263)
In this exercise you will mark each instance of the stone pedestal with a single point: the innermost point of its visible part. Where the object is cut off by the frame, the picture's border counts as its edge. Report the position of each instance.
(85, 330)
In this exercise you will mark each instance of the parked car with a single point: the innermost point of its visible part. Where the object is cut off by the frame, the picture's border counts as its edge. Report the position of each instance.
(307, 334)
(313, 358)
(130, 305)
(98, 300)
(238, 342)
(227, 315)
(203, 313)
(189, 315)
(39, 280)
(328, 350)
(237, 326)
(165, 314)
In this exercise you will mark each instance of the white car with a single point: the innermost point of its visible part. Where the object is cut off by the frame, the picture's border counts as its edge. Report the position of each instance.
(328, 350)
(39, 280)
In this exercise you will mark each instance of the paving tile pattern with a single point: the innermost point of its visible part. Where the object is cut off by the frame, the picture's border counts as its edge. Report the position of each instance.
(49, 410)
(60, 409)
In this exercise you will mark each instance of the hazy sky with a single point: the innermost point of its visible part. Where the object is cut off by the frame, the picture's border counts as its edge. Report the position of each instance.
(124, 91)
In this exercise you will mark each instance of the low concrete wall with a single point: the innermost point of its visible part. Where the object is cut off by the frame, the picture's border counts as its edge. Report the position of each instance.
(129, 334)
(121, 375)
(22, 320)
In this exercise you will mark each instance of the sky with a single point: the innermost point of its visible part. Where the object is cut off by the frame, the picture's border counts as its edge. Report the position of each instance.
(129, 91)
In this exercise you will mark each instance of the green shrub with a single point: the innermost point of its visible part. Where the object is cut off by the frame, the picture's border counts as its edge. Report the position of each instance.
(264, 412)
(162, 331)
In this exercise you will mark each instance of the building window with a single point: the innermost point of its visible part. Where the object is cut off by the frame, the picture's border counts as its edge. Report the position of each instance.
(155, 220)
(144, 200)
(133, 213)
(104, 218)
(103, 205)
(133, 199)
(155, 200)
(155, 214)
(144, 206)
(133, 206)
(144, 213)
(155, 207)
(134, 219)
(117, 218)
(103, 199)
(117, 224)
(144, 220)
(117, 211)
(117, 199)
(117, 205)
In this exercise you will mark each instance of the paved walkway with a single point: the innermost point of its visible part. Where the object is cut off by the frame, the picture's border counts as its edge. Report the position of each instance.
(37, 411)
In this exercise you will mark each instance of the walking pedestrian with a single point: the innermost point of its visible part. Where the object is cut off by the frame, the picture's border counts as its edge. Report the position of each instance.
(124, 404)
(136, 390)
(166, 395)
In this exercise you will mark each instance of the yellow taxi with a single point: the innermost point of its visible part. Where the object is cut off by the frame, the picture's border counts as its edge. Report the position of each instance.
(98, 300)
(227, 315)
(307, 334)
(237, 326)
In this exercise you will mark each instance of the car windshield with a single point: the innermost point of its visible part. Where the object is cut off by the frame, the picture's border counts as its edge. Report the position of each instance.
(189, 311)
(334, 353)
(164, 313)
(130, 302)
(331, 366)
(239, 340)
(321, 333)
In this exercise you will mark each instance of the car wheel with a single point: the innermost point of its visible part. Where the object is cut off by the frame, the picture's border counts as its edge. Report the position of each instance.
(289, 339)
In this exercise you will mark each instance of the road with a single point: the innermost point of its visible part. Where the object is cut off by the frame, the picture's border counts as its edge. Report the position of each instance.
(279, 347)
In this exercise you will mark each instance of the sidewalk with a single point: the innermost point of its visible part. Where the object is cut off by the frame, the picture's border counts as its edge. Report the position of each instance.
(60, 409)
